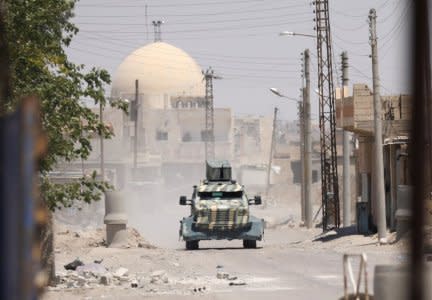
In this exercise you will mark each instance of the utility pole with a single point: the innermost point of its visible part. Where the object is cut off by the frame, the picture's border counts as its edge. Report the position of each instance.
(301, 151)
(102, 159)
(209, 114)
(346, 148)
(136, 110)
(272, 149)
(378, 150)
(329, 174)
(307, 144)
(300, 106)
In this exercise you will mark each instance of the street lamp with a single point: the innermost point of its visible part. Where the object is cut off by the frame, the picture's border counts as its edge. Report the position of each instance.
(279, 94)
(290, 33)
(305, 155)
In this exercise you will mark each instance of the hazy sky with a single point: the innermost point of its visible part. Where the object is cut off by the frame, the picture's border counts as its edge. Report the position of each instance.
(239, 39)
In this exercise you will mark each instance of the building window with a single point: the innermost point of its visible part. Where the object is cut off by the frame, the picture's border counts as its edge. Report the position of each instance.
(205, 136)
(161, 135)
(187, 137)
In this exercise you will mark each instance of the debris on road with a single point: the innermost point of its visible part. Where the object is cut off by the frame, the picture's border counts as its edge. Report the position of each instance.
(199, 289)
(222, 275)
(73, 265)
(159, 276)
(134, 283)
(94, 238)
(91, 270)
(105, 279)
(120, 272)
(237, 283)
(226, 276)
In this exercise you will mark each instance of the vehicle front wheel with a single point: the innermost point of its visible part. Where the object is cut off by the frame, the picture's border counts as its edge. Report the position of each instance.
(192, 245)
(249, 244)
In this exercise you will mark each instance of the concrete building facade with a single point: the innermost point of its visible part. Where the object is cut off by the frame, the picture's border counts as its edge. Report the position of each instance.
(357, 112)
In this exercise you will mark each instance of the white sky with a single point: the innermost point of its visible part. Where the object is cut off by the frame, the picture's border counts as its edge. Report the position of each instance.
(239, 39)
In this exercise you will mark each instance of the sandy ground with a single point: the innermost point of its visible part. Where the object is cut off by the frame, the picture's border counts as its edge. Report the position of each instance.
(292, 262)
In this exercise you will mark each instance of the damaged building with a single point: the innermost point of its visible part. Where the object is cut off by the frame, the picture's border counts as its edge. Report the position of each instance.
(357, 111)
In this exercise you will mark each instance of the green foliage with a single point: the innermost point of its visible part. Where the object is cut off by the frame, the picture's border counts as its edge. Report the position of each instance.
(38, 31)
(84, 189)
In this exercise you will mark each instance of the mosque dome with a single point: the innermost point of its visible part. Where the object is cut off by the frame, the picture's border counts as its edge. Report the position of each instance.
(162, 70)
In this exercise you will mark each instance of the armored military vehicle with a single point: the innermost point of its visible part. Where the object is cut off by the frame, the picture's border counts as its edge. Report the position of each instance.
(220, 210)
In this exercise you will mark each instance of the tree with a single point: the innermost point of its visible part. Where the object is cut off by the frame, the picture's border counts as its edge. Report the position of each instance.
(37, 33)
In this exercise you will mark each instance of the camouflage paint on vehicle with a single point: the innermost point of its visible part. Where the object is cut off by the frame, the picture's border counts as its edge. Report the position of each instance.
(218, 212)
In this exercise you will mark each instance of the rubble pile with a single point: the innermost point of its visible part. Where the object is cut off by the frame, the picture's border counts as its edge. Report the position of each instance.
(79, 275)
(94, 238)
(135, 240)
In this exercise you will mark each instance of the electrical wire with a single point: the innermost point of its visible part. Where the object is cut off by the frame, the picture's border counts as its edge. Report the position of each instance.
(220, 70)
(206, 3)
(347, 41)
(196, 15)
(203, 55)
(207, 29)
(344, 28)
(392, 13)
(397, 27)
(370, 78)
(175, 23)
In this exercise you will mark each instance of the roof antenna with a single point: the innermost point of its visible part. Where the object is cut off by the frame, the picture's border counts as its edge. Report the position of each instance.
(157, 30)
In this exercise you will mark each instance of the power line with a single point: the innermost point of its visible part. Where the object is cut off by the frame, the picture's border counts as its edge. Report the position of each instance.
(349, 42)
(393, 12)
(402, 20)
(350, 52)
(206, 29)
(168, 5)
(248, 75)
(369, 78)
(205, 55)
(342, 13)
(135, 38)
(347, 15)
(344, 28)
(196, 15)
(167, 23)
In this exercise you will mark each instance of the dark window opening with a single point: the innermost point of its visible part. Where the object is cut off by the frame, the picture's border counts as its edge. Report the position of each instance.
(220, 195)
(187, 137)
(161, 135)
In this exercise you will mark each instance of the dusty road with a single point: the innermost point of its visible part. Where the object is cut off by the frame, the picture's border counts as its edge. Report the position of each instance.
(287, 265)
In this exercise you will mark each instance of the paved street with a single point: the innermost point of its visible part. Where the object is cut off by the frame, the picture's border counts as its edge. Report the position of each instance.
(287, 265)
